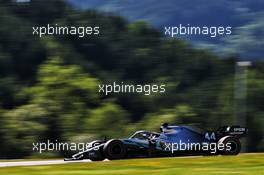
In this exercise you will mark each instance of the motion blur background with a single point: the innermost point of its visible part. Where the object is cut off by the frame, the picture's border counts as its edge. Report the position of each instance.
(49, 85)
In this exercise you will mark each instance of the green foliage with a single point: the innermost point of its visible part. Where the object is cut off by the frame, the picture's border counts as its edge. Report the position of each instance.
(67, 94)
(255, 111)
(109, 120)
(180, 114)
(49, 86)
(21, 127)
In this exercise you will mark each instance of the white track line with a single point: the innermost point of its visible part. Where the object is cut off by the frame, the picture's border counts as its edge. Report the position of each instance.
(35, 163)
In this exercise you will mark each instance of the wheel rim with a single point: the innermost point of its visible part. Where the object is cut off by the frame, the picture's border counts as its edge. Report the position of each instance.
(116, 149)
(233, 145)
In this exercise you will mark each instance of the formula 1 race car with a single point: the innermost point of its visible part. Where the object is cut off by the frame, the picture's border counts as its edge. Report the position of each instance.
(171, 141)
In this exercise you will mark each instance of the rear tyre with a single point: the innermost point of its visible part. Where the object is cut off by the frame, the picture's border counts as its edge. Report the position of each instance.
(114, 149)
(232, 145)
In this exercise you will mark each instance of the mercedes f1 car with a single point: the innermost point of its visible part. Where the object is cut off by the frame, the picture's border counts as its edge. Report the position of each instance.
(170, 141)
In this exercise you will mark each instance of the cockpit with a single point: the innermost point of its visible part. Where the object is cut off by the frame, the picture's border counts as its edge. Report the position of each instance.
(144, 135)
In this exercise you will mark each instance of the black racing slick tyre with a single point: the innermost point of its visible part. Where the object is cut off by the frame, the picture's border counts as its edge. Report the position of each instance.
(114, 149)
(232, 145)
(99, 153)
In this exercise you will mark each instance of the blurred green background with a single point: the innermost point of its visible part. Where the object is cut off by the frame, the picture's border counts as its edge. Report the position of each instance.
(49, 85)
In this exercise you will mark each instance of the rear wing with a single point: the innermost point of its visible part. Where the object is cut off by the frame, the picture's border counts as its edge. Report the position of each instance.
(232, 130)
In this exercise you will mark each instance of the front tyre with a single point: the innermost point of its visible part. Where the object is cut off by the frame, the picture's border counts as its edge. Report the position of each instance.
(97, 154)
(114, 149)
